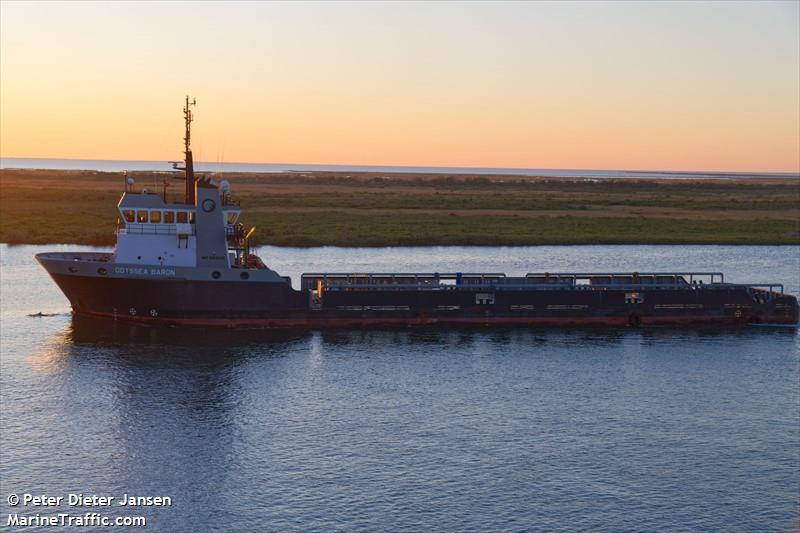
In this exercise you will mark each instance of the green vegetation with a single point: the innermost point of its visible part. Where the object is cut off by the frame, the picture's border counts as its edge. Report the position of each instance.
(565, 195)
(375, 210)
(343, 229)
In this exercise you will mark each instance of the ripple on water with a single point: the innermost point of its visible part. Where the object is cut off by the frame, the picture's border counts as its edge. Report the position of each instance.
(411, 429)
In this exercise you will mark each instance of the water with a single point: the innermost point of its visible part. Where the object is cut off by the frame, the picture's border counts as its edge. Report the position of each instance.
(419, 429)
(109, 165)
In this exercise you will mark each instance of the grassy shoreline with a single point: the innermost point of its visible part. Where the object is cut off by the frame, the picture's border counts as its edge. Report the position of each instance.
(380, 209)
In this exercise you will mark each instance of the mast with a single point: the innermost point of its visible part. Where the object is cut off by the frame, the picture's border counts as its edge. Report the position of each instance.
(187, 151)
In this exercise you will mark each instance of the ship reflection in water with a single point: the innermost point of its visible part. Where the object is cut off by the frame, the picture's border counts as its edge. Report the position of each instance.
(406, 429)
(136, 344)
(289, 426)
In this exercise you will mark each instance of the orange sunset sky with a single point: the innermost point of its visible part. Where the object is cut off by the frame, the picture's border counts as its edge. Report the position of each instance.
(602, 85)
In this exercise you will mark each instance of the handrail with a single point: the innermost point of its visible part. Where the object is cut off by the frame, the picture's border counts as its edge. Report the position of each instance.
(150, 229)
(768, 286)
(590, 274)
(440, 275)
(498, 281)
(553, 286)
(693, 277)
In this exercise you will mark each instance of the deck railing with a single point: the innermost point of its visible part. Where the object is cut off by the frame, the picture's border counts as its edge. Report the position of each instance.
(679, 277)
(394, 279)
(579, 281)
(156, 229)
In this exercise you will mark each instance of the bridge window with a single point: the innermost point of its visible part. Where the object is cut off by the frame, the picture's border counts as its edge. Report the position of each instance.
(183, 217)
(128, 214)
(169, 217)
(155, 217)
(141, 216)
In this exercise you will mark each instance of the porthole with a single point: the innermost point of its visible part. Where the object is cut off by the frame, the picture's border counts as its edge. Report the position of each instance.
(244, 275)
(208, 205)
(102, 271)
(73, 269)
(138, 257)
(215, 274)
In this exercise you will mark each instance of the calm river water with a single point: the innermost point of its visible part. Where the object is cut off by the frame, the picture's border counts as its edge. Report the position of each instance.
(419, 429)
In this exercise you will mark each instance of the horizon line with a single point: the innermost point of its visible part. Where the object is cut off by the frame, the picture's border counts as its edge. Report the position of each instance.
(443, 167)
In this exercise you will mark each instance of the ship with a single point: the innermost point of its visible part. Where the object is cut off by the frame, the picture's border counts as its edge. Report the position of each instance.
(189, 262)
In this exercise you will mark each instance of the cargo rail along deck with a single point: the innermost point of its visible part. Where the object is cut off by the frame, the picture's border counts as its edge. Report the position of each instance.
(189, 262)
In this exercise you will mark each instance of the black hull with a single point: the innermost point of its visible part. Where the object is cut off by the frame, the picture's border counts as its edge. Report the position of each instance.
(277, 305)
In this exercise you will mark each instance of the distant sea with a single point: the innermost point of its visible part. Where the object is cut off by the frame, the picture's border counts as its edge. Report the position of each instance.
(109, 165)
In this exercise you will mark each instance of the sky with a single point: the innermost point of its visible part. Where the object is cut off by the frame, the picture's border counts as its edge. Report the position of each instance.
(586, 85)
